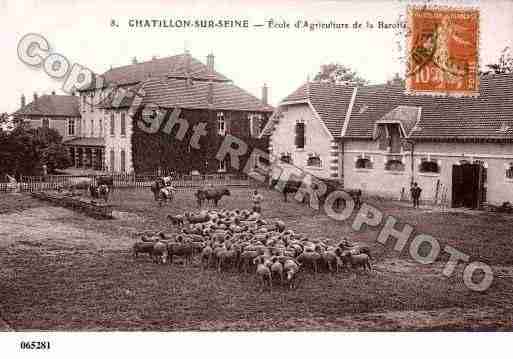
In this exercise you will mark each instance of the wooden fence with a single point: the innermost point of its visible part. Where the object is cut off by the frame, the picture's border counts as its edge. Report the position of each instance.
(122, 180)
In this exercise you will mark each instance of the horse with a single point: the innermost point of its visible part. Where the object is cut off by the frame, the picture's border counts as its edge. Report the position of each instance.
(159, 183)
(99, 192)
(166, 194)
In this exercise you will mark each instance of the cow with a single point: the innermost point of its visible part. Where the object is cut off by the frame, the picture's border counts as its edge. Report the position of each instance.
(213, 194)
(291, 186)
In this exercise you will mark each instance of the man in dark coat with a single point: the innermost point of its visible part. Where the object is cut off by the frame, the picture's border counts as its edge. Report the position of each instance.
(415, 194)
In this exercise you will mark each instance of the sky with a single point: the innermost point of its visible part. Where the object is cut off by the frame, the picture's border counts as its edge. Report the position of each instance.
(281, 58)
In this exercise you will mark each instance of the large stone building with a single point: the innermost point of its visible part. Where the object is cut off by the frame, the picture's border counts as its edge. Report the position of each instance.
(459, 150)
(176, 82)
(103, 132)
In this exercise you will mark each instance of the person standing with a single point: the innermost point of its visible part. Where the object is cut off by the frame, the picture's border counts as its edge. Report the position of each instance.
(257, 199)
(415, 194)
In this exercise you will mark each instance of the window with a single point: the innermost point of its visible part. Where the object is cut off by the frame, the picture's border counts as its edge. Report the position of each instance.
(101, 127)
(286, 157)
(363, 162)
(300, 135)
(91, 103)
(45, 123)
(222, 166)
(394, 163)
(389, 137)
(509, 170)
(112, 128)
(112, 160)
(83, 103)
(255, 124)
(314, 160)
(122, 160)
(123, 124)
(92, 128)
(71, 127)
(221, 124)
(429, 166)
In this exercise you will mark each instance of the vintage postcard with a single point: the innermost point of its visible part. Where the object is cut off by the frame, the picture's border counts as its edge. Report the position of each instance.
(175, 167)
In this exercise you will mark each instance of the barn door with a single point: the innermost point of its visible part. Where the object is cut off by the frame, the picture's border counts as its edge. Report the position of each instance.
(457, 186)
(467, 185)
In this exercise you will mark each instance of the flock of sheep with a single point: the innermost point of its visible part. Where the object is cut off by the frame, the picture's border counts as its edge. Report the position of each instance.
(243, 240)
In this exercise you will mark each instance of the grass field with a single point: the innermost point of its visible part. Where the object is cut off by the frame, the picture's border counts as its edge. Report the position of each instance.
(61, 270)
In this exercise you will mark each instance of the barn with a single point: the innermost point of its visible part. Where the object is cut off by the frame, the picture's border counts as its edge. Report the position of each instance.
(459, 150)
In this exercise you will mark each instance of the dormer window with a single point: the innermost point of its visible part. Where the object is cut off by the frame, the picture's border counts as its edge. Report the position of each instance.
(221, 124)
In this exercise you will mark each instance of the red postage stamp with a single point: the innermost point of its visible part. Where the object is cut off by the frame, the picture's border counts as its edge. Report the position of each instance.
(443, 51)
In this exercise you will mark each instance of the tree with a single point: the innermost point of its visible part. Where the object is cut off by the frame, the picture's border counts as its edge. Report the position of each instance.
(504, 64)
(25, 151)
(339, 74)
(396, 80)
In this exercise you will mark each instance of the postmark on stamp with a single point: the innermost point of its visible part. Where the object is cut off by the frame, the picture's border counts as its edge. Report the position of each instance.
(443, 51)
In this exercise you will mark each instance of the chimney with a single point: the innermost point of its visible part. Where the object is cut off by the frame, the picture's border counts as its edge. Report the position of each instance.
(210, 94)
(210, 62)
(22, 100)
(265, 94)
(188, 68)
(134, 60)
(154, 57)
(53, 93)
(35, 96)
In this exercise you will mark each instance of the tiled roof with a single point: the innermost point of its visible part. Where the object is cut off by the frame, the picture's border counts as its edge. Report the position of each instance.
(51, 105)
(86, 141)
(172, 67)
(170, 93)
(489, 116)
(330, 101)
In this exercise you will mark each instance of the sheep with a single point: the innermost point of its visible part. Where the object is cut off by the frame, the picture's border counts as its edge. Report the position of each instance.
(177, 220)
(160, 252)
(359, 260)
(277, 269)
(245, 259)
(180, 249)
(291, 268)
(263, 272)
(143, 247)
(310, 257)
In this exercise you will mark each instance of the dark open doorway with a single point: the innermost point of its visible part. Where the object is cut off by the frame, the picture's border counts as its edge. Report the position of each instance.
(468, 185)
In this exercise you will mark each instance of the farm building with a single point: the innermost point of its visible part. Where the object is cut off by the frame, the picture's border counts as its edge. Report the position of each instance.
(459, 150)
(103, 134)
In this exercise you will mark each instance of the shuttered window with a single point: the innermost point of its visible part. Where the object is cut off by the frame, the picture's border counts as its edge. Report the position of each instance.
(112, 124)
(112, 160)
(300, 135)
(122, 161)
(123, 124)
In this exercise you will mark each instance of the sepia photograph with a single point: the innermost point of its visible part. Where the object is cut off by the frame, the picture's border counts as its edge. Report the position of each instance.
(314, 175)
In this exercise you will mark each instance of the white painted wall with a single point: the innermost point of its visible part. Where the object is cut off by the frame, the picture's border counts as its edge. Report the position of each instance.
(317, 139)
(378, 181)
